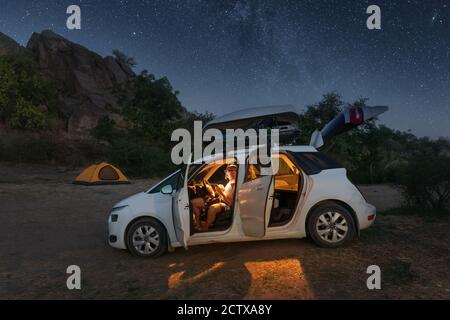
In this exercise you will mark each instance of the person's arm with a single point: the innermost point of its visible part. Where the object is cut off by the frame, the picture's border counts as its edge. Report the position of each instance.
(221, 190)
(228, 196)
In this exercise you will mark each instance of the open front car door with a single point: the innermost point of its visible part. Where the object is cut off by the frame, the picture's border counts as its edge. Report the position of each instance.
(346, 120)
(181, 209)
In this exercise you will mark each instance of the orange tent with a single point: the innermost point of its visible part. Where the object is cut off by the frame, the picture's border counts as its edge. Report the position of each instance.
(103, 173)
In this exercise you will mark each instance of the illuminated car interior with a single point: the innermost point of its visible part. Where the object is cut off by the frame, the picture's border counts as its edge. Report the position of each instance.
(200, 185)
(288, 181)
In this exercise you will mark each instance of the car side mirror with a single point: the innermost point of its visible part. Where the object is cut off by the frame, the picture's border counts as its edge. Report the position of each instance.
(167, 189)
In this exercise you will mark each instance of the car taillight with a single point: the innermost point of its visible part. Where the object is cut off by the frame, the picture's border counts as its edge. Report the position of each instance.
(356, 116)
(370, 217)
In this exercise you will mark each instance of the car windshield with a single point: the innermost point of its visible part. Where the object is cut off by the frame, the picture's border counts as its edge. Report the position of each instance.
(170, 180)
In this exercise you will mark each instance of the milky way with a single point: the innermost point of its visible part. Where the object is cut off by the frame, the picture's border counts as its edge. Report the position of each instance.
(225, 55)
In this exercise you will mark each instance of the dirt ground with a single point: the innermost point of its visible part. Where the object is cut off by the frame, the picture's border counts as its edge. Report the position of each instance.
(48, 224)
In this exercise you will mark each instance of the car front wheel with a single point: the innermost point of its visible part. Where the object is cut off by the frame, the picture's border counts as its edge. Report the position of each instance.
(331, 225)
(146, 238)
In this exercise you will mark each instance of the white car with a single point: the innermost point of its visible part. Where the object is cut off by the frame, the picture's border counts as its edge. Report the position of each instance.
(309, 195)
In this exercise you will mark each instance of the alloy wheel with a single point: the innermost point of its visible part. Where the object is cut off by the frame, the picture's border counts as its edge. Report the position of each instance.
(146, 239)
(331, 226)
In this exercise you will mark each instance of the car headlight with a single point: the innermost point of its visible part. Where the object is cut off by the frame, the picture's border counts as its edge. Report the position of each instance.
(114, 213)
(115, 209)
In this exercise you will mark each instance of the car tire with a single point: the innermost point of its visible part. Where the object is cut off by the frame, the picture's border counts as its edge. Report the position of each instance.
(331, 225)
(146, 238)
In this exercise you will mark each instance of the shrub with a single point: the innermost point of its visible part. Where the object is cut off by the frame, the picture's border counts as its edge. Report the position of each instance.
(27, 148)
(28, 117)
(426, 181)
(22, 89)
(140, 158)
(152, 111)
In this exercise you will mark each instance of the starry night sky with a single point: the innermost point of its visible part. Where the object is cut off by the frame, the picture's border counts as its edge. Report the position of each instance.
(226, 55)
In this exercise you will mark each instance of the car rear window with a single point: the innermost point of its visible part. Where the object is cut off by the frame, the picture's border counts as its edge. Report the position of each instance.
(314, 162)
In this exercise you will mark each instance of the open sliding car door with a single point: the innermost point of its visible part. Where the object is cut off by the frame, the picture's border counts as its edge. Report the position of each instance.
(346, 120)
(181, 208)
(255, 200)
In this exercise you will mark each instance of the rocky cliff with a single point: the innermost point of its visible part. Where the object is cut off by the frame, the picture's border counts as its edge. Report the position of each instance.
(8, 45)
(87, 83)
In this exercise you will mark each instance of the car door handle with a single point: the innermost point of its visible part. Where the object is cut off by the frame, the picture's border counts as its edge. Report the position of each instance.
(259, 187)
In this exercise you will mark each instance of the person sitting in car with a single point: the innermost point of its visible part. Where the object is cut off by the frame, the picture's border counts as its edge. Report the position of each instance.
(225, 196)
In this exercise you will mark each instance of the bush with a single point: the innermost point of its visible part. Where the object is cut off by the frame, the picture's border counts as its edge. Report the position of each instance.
(152, 111)
(140, 158)
(426, 181)
(22, 90)
(27, 148)
(28, 117)
(46, 148)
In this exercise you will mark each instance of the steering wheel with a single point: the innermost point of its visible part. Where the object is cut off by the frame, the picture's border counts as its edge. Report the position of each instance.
(209, 188)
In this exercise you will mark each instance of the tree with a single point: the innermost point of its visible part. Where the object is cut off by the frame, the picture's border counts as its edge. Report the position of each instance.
(152, 111)
(27, 99)
(122, 57)
(318, 115)
(27, 117)
(361, 150)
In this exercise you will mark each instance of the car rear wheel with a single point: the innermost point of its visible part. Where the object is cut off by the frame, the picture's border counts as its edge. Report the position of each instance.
(146, 238)
(331, 225)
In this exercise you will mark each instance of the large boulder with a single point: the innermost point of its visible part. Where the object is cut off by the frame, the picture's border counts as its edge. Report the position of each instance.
(88, 83)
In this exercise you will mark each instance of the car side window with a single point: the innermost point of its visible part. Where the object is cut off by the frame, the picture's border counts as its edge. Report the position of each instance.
(283, 168)
(252, 172)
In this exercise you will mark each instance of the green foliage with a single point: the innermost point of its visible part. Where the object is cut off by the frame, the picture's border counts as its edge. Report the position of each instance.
(105, 130)
(318, 115)
(360, 150)
(27, 117)
(122, 57)
(27, 148)
(139, 157)
(152, 111)
(425, 175)
(377, 154)
(24, 93)
(30, 147)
